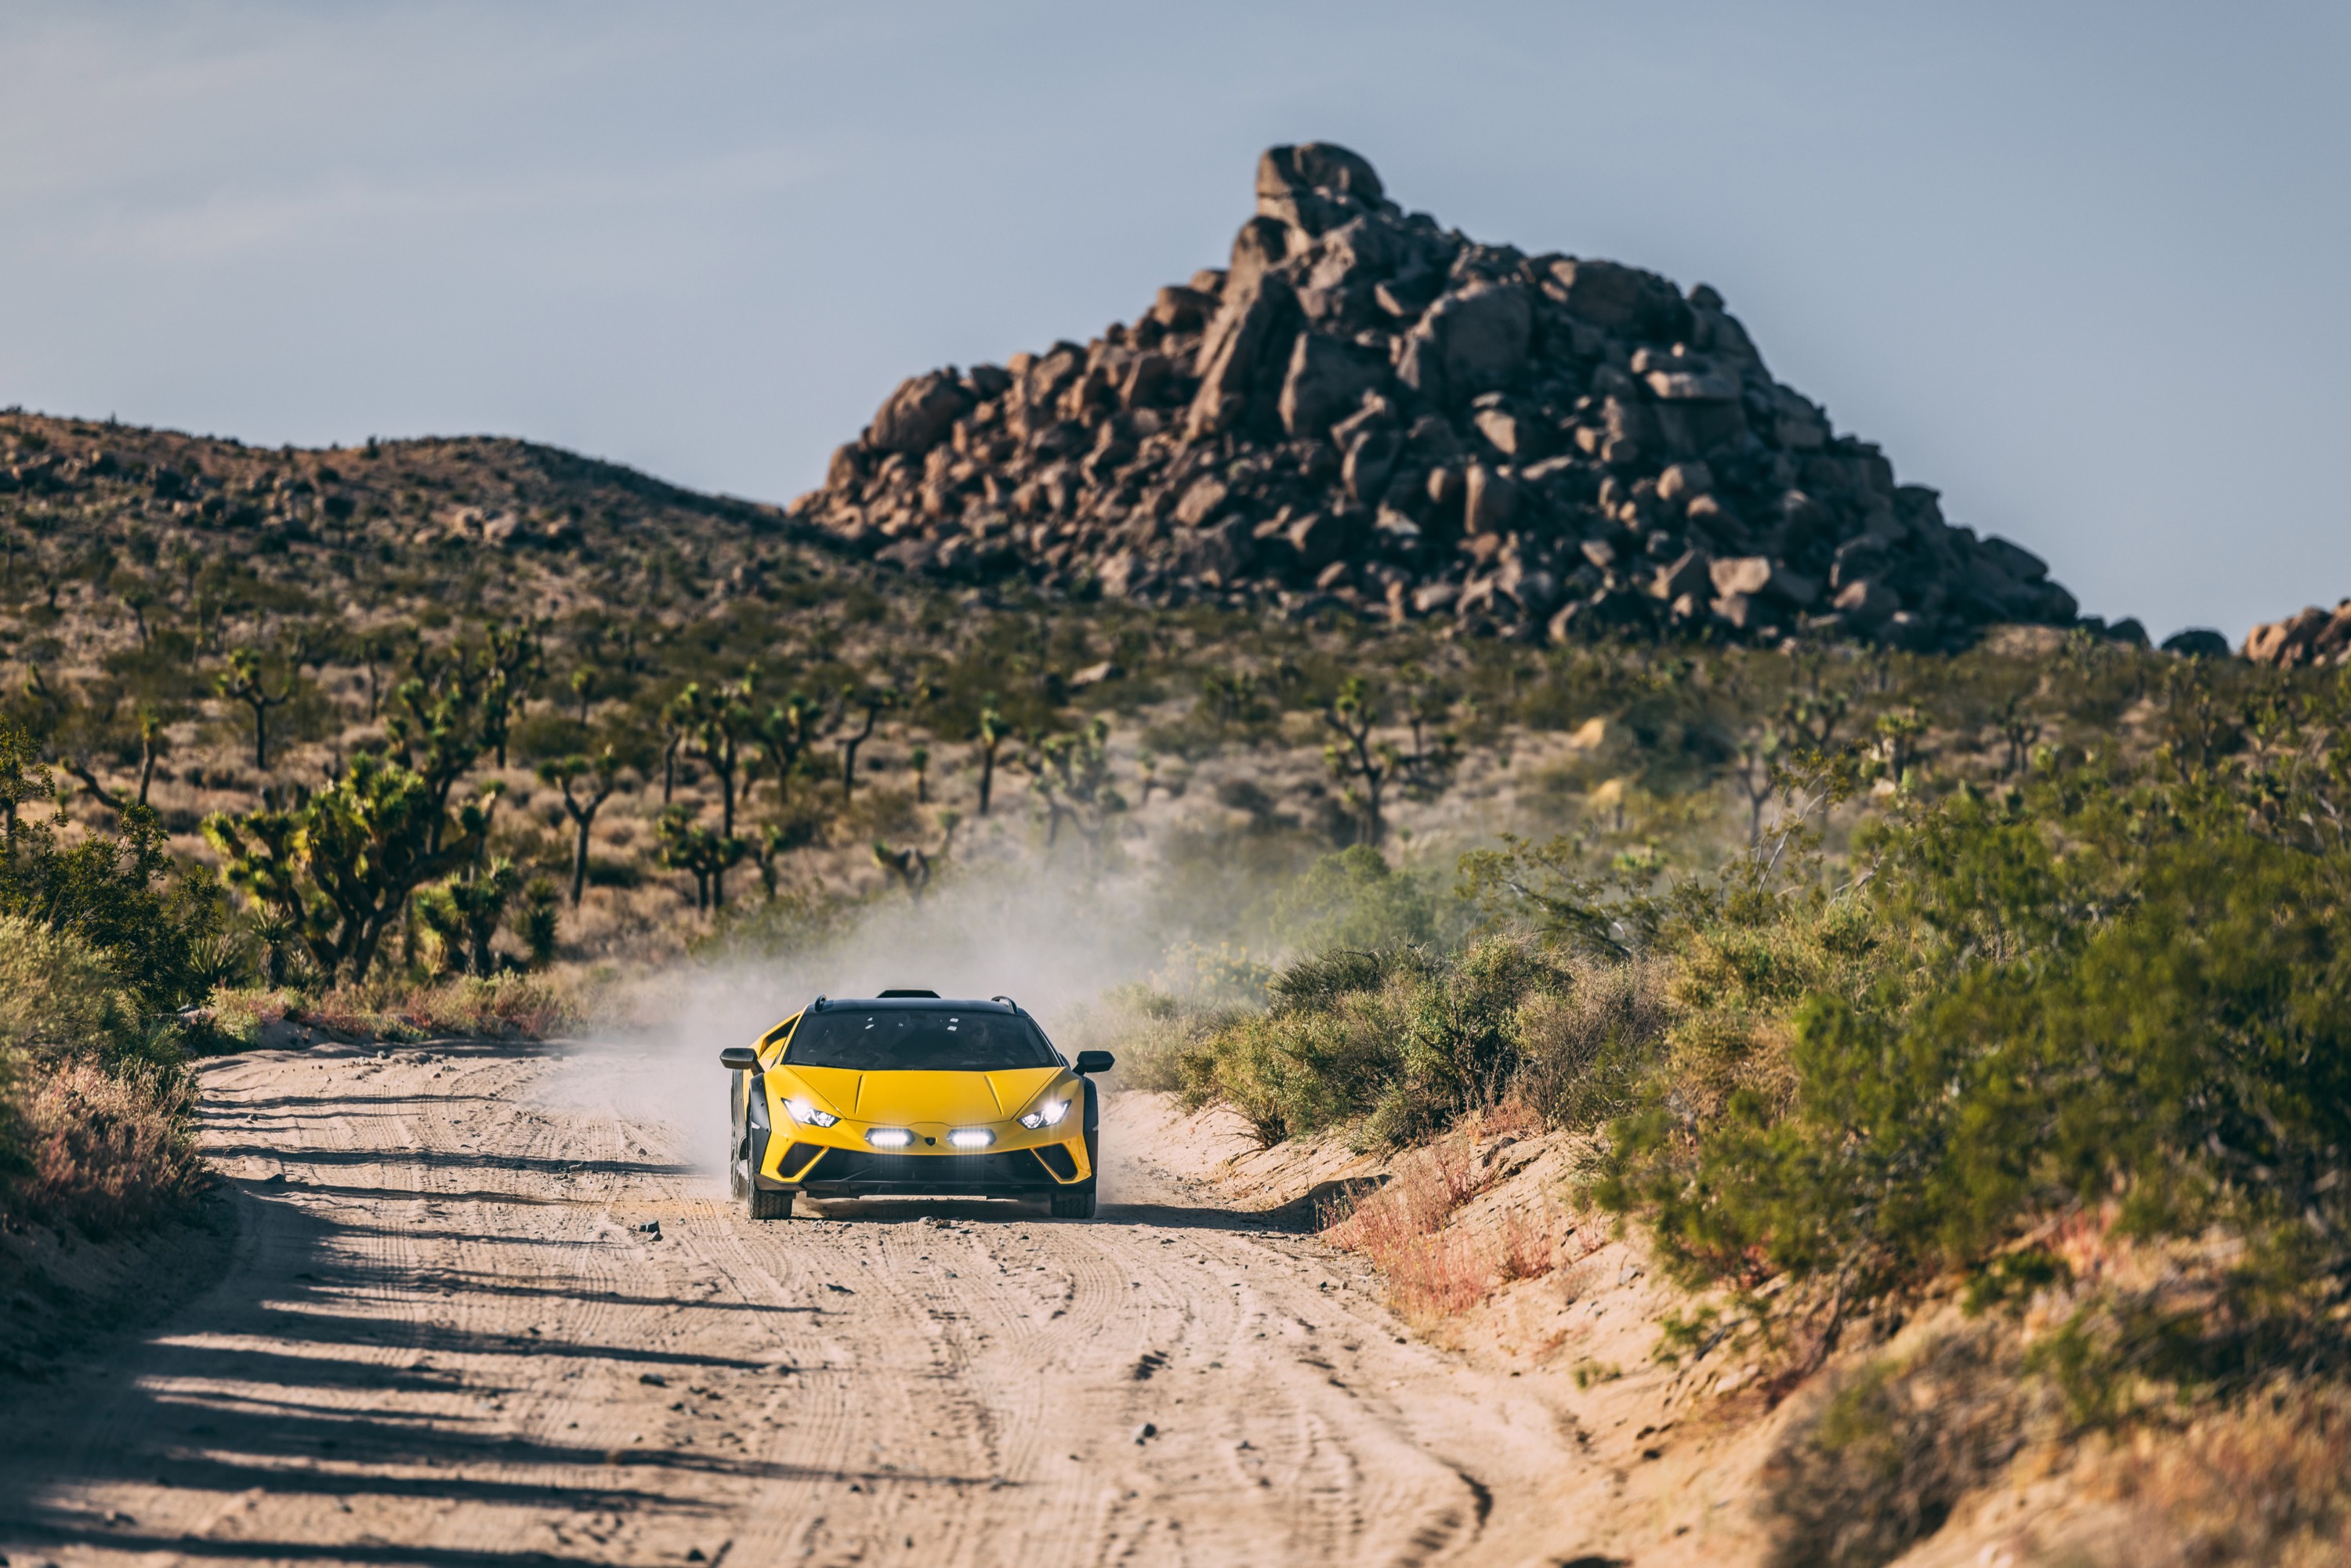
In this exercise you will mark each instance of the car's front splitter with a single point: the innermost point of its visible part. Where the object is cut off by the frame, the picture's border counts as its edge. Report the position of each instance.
(817, 1169)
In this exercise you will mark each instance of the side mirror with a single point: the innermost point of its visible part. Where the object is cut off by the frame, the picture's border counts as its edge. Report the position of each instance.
(1095, 1061)
(741, 1058)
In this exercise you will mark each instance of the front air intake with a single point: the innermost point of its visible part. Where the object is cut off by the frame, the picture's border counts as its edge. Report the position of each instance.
(797, 1159)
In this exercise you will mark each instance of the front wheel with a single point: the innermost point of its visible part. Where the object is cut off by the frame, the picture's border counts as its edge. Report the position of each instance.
(766, 1205)
(1074, 1205)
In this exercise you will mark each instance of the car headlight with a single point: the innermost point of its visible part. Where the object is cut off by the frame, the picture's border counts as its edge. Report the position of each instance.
(1046, 1113)
(889, 1137)
(971, 1138)
(801, 1111)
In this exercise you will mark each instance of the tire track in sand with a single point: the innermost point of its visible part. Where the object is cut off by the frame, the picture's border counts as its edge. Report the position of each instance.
(444, 1339)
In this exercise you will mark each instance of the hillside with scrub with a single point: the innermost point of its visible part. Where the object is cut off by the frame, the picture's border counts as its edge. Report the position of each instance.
(1940, 1018)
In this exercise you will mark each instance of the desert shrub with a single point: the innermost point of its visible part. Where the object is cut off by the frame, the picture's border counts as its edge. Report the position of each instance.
(150, 922)
(59, 998)
(1881, 1456)
(1587, 1047)
(1353, 899)
(1429, 1267)
(1397, 1044)
(605, 871)
(106, 1151)
(2266, 1481)
(2098, 991)
(1149, 1030)
(505, 1006)
(95, 1110)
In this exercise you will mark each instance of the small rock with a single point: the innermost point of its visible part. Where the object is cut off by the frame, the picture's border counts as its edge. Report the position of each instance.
(653, 1379)
(650, 1229)
(1145, 1433)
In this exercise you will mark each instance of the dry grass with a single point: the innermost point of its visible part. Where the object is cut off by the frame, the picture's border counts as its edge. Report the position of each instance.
(1586, 1047)
(1530, 1244)
(507, 1007)
(108, 1152)
(1435, 1265)
(1886, 1450)
(2268, 1481)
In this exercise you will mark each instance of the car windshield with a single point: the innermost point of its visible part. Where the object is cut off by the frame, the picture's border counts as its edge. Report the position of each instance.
(916, 1039)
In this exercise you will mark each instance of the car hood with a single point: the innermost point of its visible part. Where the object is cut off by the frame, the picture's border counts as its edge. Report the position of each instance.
(948, 1098)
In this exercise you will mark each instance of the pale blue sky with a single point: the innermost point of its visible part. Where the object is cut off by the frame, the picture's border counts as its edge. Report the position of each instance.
(2081, 267)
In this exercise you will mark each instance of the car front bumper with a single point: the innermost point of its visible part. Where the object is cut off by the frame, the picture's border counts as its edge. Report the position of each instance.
(834, 1171)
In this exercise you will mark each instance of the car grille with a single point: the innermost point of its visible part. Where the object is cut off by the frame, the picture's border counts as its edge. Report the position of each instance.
(916, 1173)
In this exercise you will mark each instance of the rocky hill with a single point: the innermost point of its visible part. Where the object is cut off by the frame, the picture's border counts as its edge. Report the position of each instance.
(1367, 408)
(103, 525)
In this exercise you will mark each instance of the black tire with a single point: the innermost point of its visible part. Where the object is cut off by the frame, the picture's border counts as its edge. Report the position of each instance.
(1074, 1205)
(738, 1162)
(766, 1205)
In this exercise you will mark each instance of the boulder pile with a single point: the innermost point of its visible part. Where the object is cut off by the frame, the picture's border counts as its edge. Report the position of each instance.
(2313, 637)
(1365, 409)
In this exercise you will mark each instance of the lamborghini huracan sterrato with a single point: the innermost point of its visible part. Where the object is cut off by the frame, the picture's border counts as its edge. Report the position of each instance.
(908, 1093)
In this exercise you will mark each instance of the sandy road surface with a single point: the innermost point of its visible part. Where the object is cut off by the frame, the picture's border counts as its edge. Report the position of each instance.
(443, 1338)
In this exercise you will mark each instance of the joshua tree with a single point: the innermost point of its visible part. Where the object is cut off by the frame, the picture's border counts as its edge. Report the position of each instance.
(784, 734)
(910, 866)
(686, 846)
(2018, 731)
(991, 733)
(595, 779)
(153, 744)
(138, 596)
(715, 720)
(1355, 758)
(1897, 741)
(339, 867)
(1758, 777)
(464, 915)
(243, 682)
(1073, 778)
(872, 702)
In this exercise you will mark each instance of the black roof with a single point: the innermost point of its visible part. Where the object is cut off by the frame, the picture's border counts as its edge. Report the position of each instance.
(926, 1003)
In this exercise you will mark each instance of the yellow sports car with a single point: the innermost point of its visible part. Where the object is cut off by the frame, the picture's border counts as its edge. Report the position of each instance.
(908, 1093)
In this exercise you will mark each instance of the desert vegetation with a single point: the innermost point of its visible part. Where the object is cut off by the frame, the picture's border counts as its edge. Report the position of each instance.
(2049, 1040)
(1866, 985)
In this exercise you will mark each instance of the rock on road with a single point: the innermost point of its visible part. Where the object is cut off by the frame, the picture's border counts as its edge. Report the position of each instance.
(483, 1305)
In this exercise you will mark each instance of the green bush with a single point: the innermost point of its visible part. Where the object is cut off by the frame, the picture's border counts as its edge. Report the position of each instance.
(2100, 989)
(59, 998)
(96, 1115)
(1395, 1043)
(152, 924)
(1588, 1048)
(1353, 899)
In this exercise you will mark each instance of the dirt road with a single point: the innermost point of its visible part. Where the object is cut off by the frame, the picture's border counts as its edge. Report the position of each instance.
(484, 1307)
